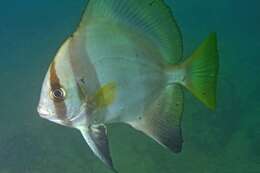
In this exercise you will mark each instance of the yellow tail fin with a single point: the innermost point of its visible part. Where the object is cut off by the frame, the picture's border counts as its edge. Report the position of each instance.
(201, 71)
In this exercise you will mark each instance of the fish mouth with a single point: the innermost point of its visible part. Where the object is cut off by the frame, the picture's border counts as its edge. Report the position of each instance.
(42, 112)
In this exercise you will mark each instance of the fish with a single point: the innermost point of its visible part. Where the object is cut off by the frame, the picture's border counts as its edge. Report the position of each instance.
(124, 64)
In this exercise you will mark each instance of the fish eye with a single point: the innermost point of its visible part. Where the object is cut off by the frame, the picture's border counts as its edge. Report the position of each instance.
(58, 94)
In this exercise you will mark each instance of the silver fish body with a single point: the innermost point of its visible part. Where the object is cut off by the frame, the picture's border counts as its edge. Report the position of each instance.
(124, 65)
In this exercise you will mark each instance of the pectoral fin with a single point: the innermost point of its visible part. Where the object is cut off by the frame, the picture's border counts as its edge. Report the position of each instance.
(103, 97)
(106, 95)
(96, 137)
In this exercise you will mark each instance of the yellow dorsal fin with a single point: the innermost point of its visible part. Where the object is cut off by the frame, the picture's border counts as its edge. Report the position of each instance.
(106, 95)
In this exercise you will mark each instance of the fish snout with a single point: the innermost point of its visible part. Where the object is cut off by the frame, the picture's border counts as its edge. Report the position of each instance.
(43, 112)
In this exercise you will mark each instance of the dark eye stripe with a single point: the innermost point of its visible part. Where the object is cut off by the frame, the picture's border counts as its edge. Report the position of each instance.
(54, 80)
(60, 107)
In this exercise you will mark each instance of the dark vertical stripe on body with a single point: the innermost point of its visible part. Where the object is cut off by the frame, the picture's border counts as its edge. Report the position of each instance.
(60, 106)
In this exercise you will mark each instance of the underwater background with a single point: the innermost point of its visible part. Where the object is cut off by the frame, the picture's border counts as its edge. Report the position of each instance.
(224, 141)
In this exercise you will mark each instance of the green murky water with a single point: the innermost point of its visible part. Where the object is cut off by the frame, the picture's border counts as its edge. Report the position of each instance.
(225, 141)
